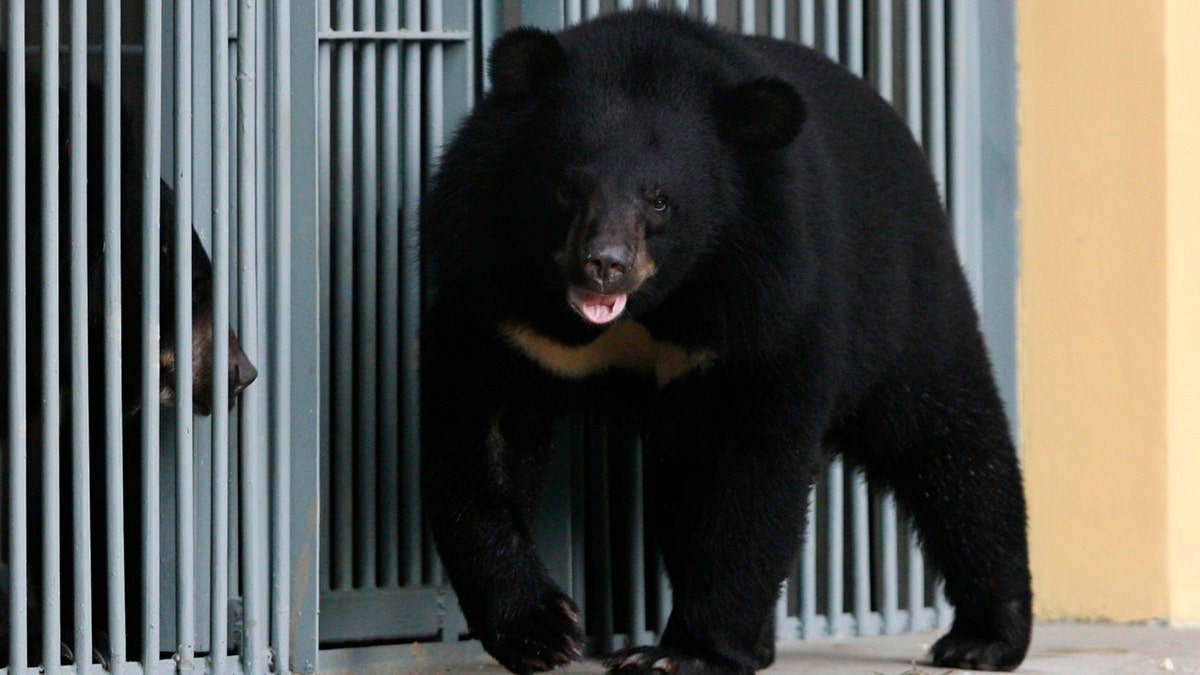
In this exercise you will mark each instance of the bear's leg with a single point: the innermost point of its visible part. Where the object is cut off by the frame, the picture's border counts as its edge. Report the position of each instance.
(481, 479)
(730, 479)
(943, 447)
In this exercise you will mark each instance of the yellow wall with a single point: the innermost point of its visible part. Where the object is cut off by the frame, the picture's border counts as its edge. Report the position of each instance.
(1109, 326)
(1183, 303)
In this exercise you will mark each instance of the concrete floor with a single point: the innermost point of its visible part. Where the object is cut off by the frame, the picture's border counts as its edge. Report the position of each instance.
(1061, 649)
(1058, 649)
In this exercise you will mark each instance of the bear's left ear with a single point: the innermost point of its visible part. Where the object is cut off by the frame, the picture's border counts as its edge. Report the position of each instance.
(522, 59)
(764, 114)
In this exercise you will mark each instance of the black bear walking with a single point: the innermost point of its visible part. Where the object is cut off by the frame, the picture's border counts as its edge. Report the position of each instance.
(740, 244)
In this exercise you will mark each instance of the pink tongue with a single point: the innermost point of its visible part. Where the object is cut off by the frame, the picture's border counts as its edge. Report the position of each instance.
(600, 308)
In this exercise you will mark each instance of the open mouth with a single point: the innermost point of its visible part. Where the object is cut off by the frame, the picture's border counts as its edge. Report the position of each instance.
(599, 309)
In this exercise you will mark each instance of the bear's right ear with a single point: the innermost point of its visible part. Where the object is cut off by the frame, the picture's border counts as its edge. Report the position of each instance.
(522, 59)
(764, 114)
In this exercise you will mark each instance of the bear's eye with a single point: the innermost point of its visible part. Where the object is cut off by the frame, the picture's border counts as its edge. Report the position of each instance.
(658, 202)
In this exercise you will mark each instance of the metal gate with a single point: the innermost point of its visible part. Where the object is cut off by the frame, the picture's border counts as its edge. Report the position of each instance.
(296, 140)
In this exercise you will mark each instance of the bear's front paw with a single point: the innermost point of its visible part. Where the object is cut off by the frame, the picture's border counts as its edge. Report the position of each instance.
(661, 661)
(971, 652)
(992, 640)
(537, 638)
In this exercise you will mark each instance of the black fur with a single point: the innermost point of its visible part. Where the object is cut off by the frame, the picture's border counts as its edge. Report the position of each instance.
(241, 371)
(799, 281)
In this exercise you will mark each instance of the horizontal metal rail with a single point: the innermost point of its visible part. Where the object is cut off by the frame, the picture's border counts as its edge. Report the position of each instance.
(399, 34)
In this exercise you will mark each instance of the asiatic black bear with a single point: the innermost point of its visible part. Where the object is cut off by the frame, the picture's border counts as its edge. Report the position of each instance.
(739, 242)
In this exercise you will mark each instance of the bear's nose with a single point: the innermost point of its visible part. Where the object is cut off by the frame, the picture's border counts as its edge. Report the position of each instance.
(241, 374)
(607, 266)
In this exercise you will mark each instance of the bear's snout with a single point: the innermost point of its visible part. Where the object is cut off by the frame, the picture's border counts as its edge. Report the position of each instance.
(242, 372)
(605, 267)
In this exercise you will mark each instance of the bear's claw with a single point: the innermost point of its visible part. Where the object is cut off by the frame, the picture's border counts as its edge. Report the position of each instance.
(541, 639)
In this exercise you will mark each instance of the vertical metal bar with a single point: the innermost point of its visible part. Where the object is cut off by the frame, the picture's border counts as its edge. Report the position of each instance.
(343, 308)
(436, 89)
(784, 627)
(325, 204)
(855, 35)
(366, 279)
(778, 27)
(808, 571)
(219, 582)
(914, 94)
(573, 11)
(113, 404)
(81, 504)
(917, 620)
(18, 588)
(52, 400)
(637, 548)
(860, 504)
(885, 39)
(708, 8)
(435, 97)
(598, 453)
(389, 309)
(890, 572)
(491, 24)
(300, 296)
(411, 300)
(966, 132)
(945, 612)
(577, 452)
(832, 31)
(251, 469)
(624, 4)
(746, 17)
(592, 8)
(835, 593)
(935, 143)
(807, 15)
(281, 346)
(151, 285)
(185, 480)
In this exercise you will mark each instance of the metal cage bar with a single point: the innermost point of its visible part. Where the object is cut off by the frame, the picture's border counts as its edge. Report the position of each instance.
(113, 449)
(81, 501)
(185, 479)
(51, 413)
(219, 581)
(18, 536)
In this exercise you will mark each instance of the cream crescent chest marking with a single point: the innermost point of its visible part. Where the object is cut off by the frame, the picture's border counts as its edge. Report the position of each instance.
(625, 346)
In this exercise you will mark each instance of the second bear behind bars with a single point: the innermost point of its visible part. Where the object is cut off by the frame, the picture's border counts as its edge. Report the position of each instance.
(740, 243)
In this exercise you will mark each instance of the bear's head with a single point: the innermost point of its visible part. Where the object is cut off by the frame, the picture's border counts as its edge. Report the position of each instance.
(241, 370)
(641, 151)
